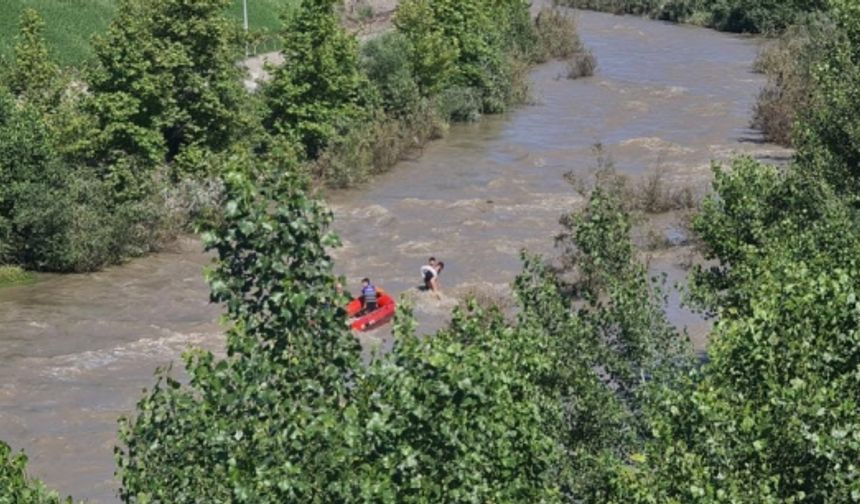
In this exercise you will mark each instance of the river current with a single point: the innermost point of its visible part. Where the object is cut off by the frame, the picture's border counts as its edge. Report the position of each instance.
(76, 350)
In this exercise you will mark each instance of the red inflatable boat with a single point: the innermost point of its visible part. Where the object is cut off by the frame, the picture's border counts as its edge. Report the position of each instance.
(384, 312)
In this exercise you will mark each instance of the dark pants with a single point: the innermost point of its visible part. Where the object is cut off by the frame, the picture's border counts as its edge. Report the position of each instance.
(369, 307)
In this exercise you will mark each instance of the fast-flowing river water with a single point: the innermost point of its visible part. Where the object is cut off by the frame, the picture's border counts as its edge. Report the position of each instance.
(75, 351)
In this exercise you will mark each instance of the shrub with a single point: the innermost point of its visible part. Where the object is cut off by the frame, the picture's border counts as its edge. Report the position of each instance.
(459, 104)
(348, 159)
(373, 147)
(656, 195)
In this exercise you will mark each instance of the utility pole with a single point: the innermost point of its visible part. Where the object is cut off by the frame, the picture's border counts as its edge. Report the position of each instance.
(245, 16)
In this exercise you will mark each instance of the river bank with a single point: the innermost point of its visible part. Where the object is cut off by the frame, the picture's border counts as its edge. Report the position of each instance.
(77, 350)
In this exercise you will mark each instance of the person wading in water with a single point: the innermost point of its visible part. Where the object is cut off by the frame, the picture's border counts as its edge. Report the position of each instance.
(430, 275)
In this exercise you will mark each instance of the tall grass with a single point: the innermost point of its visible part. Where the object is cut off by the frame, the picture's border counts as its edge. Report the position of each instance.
(70, 24)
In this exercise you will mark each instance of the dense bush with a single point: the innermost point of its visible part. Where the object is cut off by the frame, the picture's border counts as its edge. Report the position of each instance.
(757, 16)
(556, 35)
(388, 62)
(13, 275)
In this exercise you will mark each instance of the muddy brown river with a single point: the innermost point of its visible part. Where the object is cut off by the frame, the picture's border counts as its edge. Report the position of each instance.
(75, 351)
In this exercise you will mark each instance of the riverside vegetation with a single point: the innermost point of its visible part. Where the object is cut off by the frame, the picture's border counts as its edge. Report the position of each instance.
(742, 16)
(588, 396)
(802, 31)
(112, 160)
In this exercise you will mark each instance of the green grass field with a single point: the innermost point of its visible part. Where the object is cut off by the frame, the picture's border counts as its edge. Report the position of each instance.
(69, 24)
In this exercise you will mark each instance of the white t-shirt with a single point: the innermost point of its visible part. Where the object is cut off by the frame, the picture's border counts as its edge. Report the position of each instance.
(428, 269)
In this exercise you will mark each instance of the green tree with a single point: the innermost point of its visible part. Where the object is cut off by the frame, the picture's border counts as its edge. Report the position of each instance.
(756, 207)
(462, 416)
(320, 90)
(265, 424)
(611, 337)
(166, 79)
(436, 52)
(16, 487)
(460, 43)
(33, 74)
(55, 216)
(773, 416)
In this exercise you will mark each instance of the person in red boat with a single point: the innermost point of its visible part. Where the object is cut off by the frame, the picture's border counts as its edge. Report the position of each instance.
(369, 296)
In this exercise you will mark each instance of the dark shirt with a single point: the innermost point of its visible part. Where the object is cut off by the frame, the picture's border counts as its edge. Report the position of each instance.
(369, 295)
